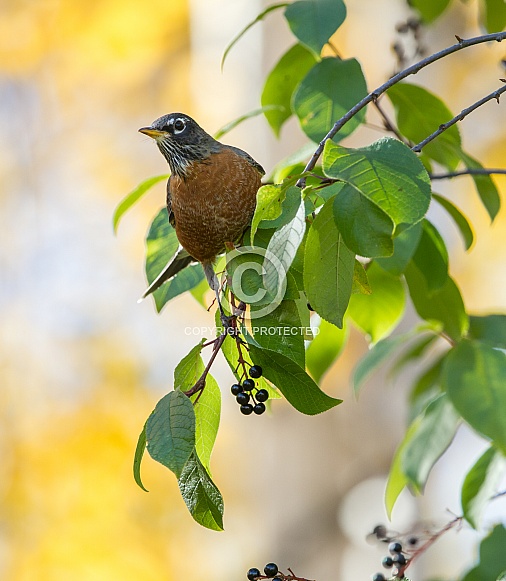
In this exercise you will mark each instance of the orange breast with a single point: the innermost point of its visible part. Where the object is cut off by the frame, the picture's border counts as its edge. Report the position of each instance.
(214, 204)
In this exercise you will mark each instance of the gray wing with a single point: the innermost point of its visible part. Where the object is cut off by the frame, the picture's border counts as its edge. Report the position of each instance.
(172, 220)
(249, 158)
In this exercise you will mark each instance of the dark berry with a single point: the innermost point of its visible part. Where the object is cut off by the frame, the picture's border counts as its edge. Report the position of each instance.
(236, 389)
(394, 547)
(248, 384)
(399, 559)
(259, 409)
(387, 562)
(247, 409)
(378, 577)
(242, 398)
(379, 531)
(253, 573)
(255, 371)
(277, 579)
(271, 569)
(262, 395)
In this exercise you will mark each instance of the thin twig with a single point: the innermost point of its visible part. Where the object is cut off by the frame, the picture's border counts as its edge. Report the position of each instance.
(455, 522)
(388, 124)
(495, 95)
(469, 171)
(200, 384)
(413, 69)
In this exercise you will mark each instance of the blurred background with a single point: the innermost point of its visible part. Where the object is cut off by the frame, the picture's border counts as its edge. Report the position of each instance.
(82, 364)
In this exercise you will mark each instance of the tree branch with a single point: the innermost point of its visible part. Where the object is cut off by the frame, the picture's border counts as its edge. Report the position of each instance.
(373, 96)
(467, 172)
(495, 95)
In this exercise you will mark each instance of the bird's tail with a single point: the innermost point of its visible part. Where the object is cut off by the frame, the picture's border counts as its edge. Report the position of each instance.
(181, 260)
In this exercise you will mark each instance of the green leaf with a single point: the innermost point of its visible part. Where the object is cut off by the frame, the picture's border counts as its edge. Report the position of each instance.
(493, 15)
(289, 209)
(490, 329)
(185, 280)
(481, 484)
(378, 313)
(325, 348)
(365, 228)
(387, 173)
(379, 353)
(396, 478)
(281, 83)
(281, 331)
(492, 557)
(189, 369)
(419, 113)
(199, 292)
(360, 282)
(431, 258)
(272, 201)
(170, 431)
(330, 89)
(405, 245)
(293, 382)
(429, 9)
(425, 387)
(444, 305)
(414, 352)
(473, 375)
(139, 453)
(134, 196)
(206, 405)
(297, 266)
(200, 494)
(207, 408)
(485, 187)
(259, 18)
(313, 22)
(281, 252)
(434, 432)
(460, 220)
(161, 245)
(328, 268)
(235, 122)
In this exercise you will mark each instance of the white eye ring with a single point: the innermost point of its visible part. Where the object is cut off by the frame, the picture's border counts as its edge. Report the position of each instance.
(179, 125)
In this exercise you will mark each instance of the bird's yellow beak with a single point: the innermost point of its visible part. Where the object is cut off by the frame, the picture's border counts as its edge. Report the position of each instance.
(154, 133)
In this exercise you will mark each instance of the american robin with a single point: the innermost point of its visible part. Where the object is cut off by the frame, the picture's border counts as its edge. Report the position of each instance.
(211, 193)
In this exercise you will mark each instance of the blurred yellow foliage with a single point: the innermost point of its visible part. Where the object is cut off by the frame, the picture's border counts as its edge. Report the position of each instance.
(70, 507)
(87, 35)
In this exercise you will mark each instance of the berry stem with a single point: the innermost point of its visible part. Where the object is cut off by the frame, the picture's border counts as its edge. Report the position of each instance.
(430, 541)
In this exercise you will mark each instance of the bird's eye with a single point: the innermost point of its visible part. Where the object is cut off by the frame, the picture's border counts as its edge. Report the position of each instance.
(179, 125)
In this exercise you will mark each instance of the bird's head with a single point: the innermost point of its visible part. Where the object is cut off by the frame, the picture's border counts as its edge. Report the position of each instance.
(181, 140)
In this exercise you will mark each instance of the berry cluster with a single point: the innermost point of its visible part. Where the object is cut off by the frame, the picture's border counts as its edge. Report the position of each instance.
(397, 560)
(248, 396)
(271, 571)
